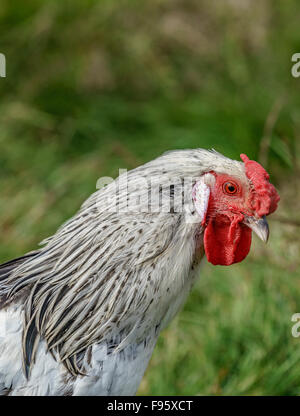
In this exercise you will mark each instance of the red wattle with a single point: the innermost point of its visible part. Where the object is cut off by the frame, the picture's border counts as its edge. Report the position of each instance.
(226, 242)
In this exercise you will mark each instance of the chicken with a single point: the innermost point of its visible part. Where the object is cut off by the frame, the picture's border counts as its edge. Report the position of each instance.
(82, 314)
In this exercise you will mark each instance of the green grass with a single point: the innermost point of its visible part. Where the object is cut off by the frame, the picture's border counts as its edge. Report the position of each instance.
(234, 334)
(94, 86)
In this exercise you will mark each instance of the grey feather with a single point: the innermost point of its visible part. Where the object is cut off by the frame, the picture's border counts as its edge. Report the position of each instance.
(109, 275)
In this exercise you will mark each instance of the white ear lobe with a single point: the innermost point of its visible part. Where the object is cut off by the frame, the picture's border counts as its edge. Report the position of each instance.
(201, 193)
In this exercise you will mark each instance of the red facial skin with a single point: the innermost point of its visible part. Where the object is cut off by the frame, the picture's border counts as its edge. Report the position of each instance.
(226, 239)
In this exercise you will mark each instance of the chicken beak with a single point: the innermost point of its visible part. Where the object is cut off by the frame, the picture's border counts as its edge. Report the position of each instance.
(260, 227)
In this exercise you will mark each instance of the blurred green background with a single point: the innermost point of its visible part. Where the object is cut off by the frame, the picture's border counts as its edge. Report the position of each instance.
(94, 86)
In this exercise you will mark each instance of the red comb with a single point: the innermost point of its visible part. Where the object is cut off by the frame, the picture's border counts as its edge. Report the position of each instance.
(265, 198)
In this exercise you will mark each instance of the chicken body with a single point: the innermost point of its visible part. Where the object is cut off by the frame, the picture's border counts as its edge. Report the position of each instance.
(81, 315)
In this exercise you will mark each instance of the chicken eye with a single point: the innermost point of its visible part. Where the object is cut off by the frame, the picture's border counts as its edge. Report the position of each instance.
(230, 188)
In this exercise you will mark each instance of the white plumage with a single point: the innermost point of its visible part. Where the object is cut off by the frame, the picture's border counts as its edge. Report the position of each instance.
(81, 315)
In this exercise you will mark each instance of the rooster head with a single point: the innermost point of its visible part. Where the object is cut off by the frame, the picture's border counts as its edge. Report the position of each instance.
(232, 204)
